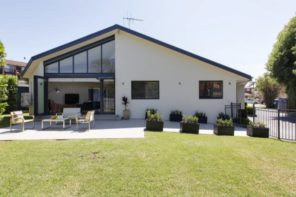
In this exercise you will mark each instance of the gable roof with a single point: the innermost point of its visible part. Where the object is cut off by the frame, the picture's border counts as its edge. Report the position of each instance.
(119, 27)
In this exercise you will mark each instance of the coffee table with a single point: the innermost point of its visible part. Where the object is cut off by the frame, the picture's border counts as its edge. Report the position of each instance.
(62, 120)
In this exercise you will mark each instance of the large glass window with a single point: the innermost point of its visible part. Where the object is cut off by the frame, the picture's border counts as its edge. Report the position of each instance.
(66, 65)
(94, 60)
(80, 63)
(52, 68)
(145, 89)
(210, 89)
(108, 57)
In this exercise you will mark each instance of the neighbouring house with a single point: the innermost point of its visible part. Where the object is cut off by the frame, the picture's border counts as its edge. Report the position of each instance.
(13, 67)
(96, 71)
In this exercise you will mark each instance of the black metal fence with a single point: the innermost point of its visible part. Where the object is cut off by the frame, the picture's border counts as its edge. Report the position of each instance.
(281, 122)
(232, 110)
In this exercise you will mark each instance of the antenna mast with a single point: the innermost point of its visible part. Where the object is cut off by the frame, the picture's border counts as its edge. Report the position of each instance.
(130, 20)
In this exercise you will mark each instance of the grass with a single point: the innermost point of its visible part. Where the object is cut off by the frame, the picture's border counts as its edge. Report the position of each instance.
(161, 164)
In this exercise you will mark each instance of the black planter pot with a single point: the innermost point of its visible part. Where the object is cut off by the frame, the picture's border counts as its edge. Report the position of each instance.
(154, 125)
(176, 117)
(223, 130)
(258, 132)
(189, 128)
(203, 120)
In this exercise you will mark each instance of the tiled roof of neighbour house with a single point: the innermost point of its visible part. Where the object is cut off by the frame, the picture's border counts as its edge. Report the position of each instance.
(119, 27)
(16, 63)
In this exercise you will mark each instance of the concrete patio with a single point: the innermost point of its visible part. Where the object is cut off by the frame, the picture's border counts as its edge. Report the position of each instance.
(103, 129)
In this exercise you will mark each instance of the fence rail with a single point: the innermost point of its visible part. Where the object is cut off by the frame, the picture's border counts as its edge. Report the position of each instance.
(281, 122)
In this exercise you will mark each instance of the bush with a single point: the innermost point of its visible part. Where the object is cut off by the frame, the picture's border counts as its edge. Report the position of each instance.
(176, 116)
(250, 110)
(3, 95)
(257, 125)
(12, 93)
(156, 117)
(202, 117)
(190, 119)
(151, 110)
(225, 122)
(223, 116)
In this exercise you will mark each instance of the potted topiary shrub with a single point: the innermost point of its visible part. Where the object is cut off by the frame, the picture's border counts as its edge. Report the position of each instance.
(202, 117)
(224, 127)
(257, 129)
(151, 110)
(154, 122)
(189, 124)
(176, 116)
(126, 112)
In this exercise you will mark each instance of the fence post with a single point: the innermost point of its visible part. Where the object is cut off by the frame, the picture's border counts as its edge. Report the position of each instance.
(278, 120)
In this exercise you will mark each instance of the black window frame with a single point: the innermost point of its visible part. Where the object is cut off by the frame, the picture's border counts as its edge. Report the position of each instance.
(142, 81)
(210, 97)
(75, 52)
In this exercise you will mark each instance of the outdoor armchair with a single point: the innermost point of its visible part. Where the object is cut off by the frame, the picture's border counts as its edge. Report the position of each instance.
(17, 117)
(87, 119)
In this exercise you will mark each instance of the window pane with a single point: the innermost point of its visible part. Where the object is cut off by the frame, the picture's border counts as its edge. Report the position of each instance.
(94, 60)
(80, 65)
(66, 65)
(145, 90)
(52, 68)
(108, 57)
(210, 89)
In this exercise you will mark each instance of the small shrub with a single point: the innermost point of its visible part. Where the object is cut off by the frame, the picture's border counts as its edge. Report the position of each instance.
(257, 124)
(200, 115)
(156, 117)
(223, 116)
(225, 123)
(190, 119)
(151, 110)
(176, 112)
(250, 110)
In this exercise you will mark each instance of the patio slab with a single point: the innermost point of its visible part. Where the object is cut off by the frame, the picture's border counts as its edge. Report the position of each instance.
(103, 129)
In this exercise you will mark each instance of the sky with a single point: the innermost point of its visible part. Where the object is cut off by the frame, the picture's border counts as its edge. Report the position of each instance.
(236, 33)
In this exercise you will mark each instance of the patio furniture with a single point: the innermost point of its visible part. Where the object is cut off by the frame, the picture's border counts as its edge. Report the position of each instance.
(71, 112)
(87, 119)
(57, 120)
(17, 117)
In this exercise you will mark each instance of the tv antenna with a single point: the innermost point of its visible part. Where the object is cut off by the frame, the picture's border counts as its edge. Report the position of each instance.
(130, 20)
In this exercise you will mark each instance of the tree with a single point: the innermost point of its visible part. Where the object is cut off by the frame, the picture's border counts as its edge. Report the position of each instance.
(269, 88)
(3, 95)
(2, 56)
(282, 60)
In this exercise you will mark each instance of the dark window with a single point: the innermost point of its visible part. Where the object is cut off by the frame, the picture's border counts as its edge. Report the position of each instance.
(94, 60)
(210, 89)
(80, 63)
(66, 65)
(145, 89)
(108, 55)
(52, 68)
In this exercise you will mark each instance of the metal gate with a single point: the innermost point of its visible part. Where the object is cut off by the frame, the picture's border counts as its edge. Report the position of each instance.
(281, 122)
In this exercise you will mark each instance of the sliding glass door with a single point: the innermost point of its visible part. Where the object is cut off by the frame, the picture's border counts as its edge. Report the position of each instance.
(108, 96)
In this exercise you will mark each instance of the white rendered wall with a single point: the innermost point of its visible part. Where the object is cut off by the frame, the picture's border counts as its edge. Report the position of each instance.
(137, 59)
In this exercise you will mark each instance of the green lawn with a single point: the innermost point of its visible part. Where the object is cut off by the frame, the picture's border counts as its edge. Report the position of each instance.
(161, 164)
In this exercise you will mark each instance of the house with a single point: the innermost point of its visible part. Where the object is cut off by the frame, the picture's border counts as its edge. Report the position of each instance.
(96, 71)
(13, 67)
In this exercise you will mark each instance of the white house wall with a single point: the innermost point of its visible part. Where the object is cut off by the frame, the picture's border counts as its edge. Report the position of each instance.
(138, 59)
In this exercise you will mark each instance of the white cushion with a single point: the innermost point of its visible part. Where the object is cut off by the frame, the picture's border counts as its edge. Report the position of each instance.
(71, 112)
